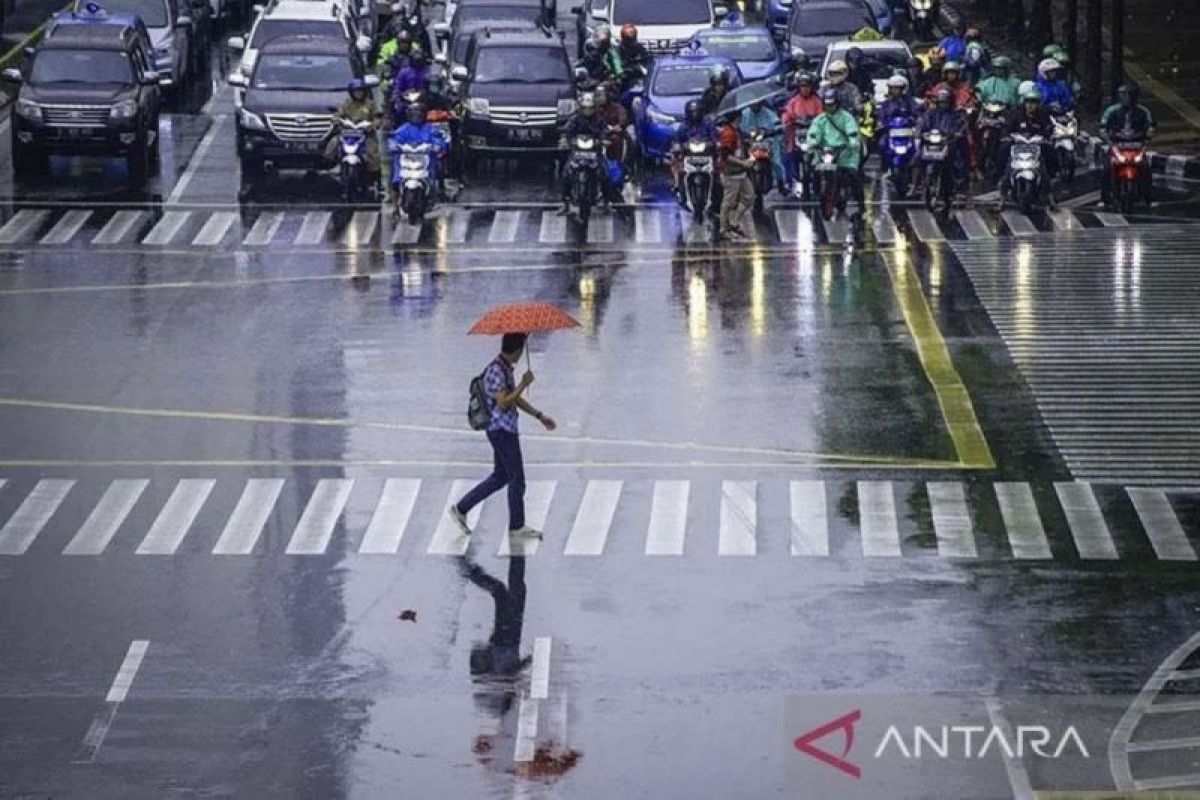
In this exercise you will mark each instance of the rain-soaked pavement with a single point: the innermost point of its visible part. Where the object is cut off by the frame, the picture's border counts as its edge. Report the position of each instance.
(792, 480)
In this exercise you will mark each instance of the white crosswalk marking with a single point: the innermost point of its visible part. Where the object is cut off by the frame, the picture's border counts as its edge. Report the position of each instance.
(1026, 535)
(102, 524)
(951, 520)
(176, 517)
(553, 228)
(885, 228)
(600, 229)
(67, 226)
(215, 228)
(1088, 528)
(1064, 220)
(590, 531)
(32, 515)
(972, 224)
(810, 523)
(249, 516)
(668, 518)
(1162, 527)
(360, 232)
(167, 227)
(120, 227)
(320, 516)
(1018, 223)
(313, 228)
(538, 496)
(793, 226)
(647, 227)
(391, 516)
(22, 225)
(837, 230)
(404, 233)
(1111, 220)
(453, 228)
(878, 525)
(264, 229)
(739, 519)
(504, 227)
(925, 226)
(448, 540)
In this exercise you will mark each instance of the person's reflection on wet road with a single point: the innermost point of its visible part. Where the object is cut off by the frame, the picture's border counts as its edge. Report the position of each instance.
(501, 654)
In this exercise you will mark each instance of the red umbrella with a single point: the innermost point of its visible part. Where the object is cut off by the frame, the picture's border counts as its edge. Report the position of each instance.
(526, 317)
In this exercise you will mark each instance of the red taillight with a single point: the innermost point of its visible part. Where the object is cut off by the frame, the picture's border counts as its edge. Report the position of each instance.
(1127, 173)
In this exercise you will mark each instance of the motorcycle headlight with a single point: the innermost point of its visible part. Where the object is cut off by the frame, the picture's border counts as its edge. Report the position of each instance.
(248, 119)
(922, 5)
(1072, 128)
(30, 110)
(659, 117)
(126, 109)
(478, 106)
(567, 107)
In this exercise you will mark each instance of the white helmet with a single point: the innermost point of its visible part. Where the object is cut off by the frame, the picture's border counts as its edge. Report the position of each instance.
(837, 71)
(1025, 87)
(1048, 64)
(897, 82)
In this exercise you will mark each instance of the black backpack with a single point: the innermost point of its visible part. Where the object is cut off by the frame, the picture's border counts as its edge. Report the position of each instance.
(479, 406)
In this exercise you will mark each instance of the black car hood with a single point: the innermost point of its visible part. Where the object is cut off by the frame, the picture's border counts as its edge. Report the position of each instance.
(522, 94)
(77, 93)
(286, 101)
(814, 46)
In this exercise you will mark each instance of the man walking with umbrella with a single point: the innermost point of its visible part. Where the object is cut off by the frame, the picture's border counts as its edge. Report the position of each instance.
(505, 400)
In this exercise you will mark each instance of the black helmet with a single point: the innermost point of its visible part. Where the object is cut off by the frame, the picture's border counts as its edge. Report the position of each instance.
(416, 113)
(1128, 89)
(945, 96)
(590, 48)
(718, 75)
(419, 57)
(691, 111)
(829, 97)
(854, 56)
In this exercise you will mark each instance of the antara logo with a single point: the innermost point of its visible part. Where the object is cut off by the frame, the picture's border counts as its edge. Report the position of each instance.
(805, 743)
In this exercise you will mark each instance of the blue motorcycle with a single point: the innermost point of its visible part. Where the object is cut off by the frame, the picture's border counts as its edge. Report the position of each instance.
(898, 151)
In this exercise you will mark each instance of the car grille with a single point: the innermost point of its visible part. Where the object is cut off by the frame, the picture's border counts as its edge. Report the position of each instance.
(300, 127)
(75, 116)
(524, 116)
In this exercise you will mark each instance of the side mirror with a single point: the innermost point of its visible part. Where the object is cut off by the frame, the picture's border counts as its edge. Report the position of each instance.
(149, 78)
(165, 82)
(720, 12)
(236, 43)
(441, 28)
(238, 80)
(581, 74)
(459, 73)
(364, 44)
(183, 22)
(440, 58)
(371, 80)
(257, 8)
(29, 51)
(577, 10)
(11, 75)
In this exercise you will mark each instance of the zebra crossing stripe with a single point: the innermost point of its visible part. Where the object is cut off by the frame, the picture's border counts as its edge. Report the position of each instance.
(316, 524)
(1018, 223)
(810, 524)
(249, 516)
(215, 228)
(102, 524)
(1162, 527)
(448, 540)
(32, 515)
(973, 225)
(176, 517)
(167, 227)
(668, 518)
(504, 227)
(951, 520)
(1026, 535)
(925, 226)
(454, 228)
(1088, 528)
(553, 228)
(391, 516)
(361, 230)
(879, 527)
(1064, 220)
(264, 229)
(120, 226)
(538, 496)
(793, 226)
(1111, 220)
(67, 226)
(836, 230)
(590, 531)
(22, 225)
(647, 227)
(600, 229)
(885, 229)
(739, 519)
(405, 233)
(313, 227)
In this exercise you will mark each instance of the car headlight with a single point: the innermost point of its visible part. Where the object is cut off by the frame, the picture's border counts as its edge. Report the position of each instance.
(478, 106)
(248, 119)
(657, 116)
(30, 110)
(567, 107)
(126, 109)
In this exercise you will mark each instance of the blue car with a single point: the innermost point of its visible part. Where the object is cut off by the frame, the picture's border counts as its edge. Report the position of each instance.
(673, 81)
(753, 49)
(778, 12)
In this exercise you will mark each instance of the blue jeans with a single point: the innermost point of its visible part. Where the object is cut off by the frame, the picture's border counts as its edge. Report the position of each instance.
(508, 470)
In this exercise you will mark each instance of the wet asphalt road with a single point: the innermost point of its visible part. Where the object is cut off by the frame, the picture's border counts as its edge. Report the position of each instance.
(787, 469)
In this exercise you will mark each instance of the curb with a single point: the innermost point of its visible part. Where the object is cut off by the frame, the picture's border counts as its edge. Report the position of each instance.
(1168, 164)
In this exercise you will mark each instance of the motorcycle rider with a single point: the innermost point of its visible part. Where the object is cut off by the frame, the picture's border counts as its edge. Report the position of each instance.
(357, 107)
(898, 103)
(943, 116)
(416, 131)
(760, 116)
(860, 72)
(800, 111)
(1054, 88)
(1126, 121)
(600, 65)
(931, 76)
(616, 121)
(695, 126)
(849, 98)
(393, 57)
(608, 52)
(977, 61)
(718, 87)
(836, 128)
(1001, 87)
(1030, 118)
(635, 58)
(415, 76)
(410, 22)
(954, 46)
(585, 122)
(964, 102)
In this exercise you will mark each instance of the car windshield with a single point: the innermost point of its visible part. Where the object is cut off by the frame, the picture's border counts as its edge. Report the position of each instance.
(675, 81)
(662, 12)
(300, 72)
(271, 29)
(828, 21)
(82, 66)
(472, 14)
(879, 64)
(522, 65)
(152, 12)
(743, 47)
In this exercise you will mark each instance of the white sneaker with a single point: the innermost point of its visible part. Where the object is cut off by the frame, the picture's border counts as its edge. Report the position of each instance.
(526, 532)
(459, 518)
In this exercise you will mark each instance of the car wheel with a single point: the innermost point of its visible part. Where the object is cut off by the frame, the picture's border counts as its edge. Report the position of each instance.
(252, 167)
(137, 160)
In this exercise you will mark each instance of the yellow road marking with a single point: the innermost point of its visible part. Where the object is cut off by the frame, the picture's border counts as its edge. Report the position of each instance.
(916, 464)
(957, 410)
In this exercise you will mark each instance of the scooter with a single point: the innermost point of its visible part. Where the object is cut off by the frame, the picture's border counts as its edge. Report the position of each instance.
(899, 152)
(1025, 171)
(1127, 165)
(585, 165)
(353, 173)
(699, 168)
(413, 176)
(939, 177)
(806, 182)
(1065, 130)
(922, 14)
(991, 129)
(762, 171)
(833, 195)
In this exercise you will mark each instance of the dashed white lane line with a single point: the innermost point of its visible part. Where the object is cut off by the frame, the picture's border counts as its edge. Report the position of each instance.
(810, 524)
(539, 681)
(216, 129)
(527, 722)
(1018, 775)
(128, 671)
(739, 519)
(93, 740)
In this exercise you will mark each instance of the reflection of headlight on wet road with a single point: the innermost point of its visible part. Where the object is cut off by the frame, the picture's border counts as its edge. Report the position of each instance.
(697, 308)
(1024, 309)
(758, 310)
(587, 301)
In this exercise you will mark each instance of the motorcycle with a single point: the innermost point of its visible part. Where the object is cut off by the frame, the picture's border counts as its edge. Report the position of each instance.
(922, 14)
(991, 130)
(353, 173)
(699, 168)
(805, 176)
(939, 173)
(762, 172)
(410, 21)
(585, 165)
(1025, 171)
(1065, 130)
(1126, 164)
(832, 193)
(413, 170)
(899, 152)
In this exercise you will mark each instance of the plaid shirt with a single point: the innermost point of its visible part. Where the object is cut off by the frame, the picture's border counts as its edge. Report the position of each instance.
(497, 378)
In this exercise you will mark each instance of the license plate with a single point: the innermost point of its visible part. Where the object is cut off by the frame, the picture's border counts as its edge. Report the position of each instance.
(304, 147)
(79, 133)
(525, 135)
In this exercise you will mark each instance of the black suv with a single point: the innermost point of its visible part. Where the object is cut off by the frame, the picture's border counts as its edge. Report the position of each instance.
(89, 89)
(286, 114)
(517, 89)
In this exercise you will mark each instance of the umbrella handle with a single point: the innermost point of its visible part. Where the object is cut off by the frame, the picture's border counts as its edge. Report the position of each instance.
(529, 364)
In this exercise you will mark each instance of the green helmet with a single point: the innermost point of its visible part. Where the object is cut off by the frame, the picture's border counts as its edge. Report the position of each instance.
(1002, 62)
(951, 66)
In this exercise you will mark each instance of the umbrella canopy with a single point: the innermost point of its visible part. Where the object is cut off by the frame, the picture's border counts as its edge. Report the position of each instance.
(747, 95)
(523, 318)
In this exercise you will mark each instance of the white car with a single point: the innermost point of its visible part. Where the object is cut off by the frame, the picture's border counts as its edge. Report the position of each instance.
(663, 25)
(884, 57)
(297, 18)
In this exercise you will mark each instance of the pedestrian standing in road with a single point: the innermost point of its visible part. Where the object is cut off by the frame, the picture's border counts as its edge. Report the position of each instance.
(505, 399)
(737, 188)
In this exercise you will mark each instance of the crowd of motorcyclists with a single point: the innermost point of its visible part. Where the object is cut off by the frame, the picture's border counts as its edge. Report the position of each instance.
(955, 93)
